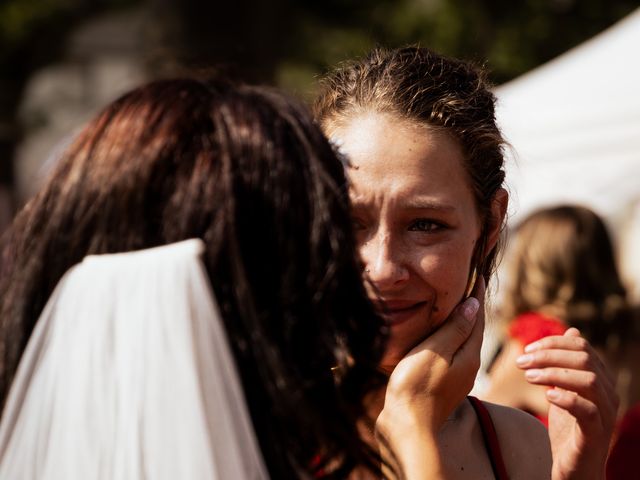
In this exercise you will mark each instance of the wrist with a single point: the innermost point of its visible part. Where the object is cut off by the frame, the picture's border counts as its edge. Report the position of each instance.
(402, 423)
(596, 473)
(409, 442)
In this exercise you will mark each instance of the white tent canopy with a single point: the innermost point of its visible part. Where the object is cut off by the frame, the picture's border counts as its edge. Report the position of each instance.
(574, 125)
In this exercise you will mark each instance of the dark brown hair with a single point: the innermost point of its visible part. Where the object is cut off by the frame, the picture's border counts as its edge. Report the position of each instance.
(246, 170)
(562, 261)
(432, 90)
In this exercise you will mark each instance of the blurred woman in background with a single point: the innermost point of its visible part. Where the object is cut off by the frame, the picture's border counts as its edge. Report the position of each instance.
(561, 273)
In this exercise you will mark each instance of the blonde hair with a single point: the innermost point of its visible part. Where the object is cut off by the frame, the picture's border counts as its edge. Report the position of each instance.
(562, 264)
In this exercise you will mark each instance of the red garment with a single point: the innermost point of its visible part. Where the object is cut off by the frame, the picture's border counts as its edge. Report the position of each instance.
(623, 457)
(532, 326)
(490, 438)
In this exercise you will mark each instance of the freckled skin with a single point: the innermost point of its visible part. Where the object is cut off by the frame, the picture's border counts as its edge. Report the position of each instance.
(415, 217)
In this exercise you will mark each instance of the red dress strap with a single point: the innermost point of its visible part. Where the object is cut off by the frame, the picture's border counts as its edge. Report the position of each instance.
(490, 437)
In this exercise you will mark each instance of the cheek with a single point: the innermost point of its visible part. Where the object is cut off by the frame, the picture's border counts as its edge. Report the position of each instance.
(446, 270)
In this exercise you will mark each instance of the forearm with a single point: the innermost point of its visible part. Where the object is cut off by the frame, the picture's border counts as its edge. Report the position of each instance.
(586, 472)
(419, 458)
(410, 448)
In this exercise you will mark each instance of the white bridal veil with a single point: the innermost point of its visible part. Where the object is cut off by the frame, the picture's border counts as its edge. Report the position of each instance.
(128, 375)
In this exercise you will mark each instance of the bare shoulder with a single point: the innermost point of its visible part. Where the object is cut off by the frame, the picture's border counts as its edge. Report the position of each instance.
(524, 442)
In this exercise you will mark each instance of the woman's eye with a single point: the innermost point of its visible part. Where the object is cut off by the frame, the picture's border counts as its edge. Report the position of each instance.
(426, 225)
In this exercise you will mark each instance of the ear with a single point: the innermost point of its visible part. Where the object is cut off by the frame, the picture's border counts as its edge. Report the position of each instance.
(498, 211)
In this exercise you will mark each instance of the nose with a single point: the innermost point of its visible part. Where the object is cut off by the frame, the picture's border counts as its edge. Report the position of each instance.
(384, 261)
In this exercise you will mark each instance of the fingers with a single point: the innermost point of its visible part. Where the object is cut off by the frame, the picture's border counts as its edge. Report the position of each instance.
(585, 411)
(583, 386)
(567, 351)
(572, 332)
(571, 340)
(579, 360)
(585, 394)
(470, 349)
(466, 323)
(585, 383)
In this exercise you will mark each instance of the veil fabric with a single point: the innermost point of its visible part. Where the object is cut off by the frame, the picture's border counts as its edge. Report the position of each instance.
(128, 375)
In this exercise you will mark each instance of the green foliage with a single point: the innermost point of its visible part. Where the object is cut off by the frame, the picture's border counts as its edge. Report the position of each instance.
(297, 39)
(18, 18)
(512, 37)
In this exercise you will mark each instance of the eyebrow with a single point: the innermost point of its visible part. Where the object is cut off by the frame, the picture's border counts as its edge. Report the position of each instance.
(415, 203)
(423, 204)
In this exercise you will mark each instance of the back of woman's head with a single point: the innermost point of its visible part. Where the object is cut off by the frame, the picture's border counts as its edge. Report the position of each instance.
(421, 86)
(247, 171)
(563, 263)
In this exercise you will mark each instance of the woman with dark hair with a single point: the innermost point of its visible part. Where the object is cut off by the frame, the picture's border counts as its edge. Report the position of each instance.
(248, 172)
(428, 204)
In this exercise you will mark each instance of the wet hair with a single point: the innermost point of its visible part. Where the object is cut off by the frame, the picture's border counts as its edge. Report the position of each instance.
(248, 171)
(562, 261)
(431, 90)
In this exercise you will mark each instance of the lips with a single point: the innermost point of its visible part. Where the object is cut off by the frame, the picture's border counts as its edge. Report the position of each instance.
(396, 312)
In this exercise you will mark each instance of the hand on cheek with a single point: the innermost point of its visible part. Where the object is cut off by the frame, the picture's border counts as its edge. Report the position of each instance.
(427, 385)
(436, 375)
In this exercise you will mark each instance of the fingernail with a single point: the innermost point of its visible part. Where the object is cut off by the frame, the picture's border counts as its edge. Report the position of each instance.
(553, 394)
(533, 374)
(524, 359)
(532, 347)
(469, 309)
